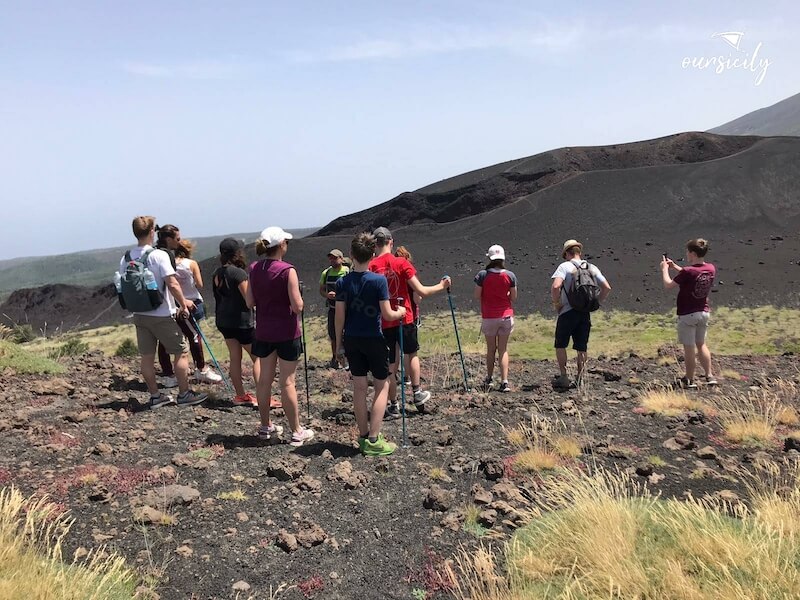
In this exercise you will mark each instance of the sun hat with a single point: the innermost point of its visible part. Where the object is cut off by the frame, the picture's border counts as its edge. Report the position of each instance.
(571, 244)
(336, 252)
(381, 233)
(496, 252)
(229, 246)
(274, 236)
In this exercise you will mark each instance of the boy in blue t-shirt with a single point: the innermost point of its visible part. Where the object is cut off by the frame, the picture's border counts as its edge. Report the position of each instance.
(362, 298)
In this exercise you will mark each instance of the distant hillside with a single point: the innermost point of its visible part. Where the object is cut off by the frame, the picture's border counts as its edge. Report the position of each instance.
(782, 118)
(490, 188)
(90, 267)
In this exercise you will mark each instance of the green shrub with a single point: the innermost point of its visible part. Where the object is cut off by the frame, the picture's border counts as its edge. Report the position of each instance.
(72, 347)
(21, 360)
(23, 333)
(127, 348)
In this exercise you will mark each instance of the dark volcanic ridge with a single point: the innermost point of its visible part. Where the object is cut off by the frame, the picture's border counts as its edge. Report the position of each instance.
(485, 189)
(746, 202)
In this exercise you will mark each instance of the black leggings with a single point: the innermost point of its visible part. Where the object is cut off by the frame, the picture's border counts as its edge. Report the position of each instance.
(195, 347)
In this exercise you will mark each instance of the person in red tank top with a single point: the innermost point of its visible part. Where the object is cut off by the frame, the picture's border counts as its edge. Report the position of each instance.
(400, 276)
(694, 282)
(496, 288)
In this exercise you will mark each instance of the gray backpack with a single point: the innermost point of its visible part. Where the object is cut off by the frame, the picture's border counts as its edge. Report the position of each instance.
(138, 288)
(583, 292)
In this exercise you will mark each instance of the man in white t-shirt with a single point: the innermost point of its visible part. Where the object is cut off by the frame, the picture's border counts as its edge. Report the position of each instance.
(572, 323)
(158, 325)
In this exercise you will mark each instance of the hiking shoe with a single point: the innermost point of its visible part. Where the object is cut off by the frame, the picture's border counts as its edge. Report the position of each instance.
(160, 400)
(334, 364)
(392, 412)
(563, 382)
(361, 442)
(246, 400)
(301, 437)
(487, 384)
(209, 376)
(420, 397)
(168, 381)
(191, 398)
(265, 432)
(380, 447)
(711, 380)
(687, 384)
(504, 387)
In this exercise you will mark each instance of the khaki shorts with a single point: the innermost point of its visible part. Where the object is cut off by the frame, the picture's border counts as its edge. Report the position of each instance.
(494, 327)
(692, 328)
(151, 330)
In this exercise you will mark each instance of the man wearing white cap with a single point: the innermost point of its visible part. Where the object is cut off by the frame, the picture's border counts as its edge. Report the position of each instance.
(327, 289)
(575, 280)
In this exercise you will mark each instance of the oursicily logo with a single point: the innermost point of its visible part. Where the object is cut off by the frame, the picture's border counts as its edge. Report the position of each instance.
(738, 57)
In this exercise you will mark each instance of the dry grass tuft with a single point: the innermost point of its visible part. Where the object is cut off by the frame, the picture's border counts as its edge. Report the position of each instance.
(670, 403)
(31, 536)
(602, 536)
(536, 459)
(749, 419)
(786, 415)
(236, 495)
(542, 446)
(566, 446)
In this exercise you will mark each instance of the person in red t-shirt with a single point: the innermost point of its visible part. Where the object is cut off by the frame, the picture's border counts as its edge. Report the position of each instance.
(695, 281)
(401, 275)
(496, 288)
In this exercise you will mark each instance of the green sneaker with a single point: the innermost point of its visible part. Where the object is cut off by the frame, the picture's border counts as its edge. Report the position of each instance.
(380, 448)
(362, 443)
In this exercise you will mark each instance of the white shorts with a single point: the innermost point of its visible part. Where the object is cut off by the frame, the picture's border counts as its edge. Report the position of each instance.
(494, 327)
(692, 328)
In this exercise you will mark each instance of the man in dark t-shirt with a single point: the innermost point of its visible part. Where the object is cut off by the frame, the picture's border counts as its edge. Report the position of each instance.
(694, 282)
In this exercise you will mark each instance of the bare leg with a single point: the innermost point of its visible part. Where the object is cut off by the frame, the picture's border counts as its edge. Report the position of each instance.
(704, 356)
(502, 351)
(235, 371)
(392, 379)
(413, 368)
(690, 361)
(491, 351)
(288, 393)
(181, 368)
(149, 373)
(561, 356)
(264, 386)
(581, 363)
(360, 405)
(256, 364)
(378, 407)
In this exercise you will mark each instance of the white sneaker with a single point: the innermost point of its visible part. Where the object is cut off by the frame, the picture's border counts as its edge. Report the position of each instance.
(301, 437)
(420, 397)
(168, 382)
(209, 376)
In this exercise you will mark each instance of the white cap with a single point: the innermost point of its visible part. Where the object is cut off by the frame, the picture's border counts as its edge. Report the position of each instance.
(496, 252)
(274, 236)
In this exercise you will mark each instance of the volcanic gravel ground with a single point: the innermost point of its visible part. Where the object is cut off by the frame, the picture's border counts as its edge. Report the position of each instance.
(192, 496)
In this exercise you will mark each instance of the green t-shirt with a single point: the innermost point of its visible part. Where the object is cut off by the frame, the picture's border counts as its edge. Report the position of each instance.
(329, 278)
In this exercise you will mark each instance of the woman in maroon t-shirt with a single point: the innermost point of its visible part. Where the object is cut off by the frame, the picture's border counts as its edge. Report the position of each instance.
(274, 291)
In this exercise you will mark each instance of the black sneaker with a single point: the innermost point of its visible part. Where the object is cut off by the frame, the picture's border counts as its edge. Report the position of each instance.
(392, 412)
(504, 387)
(161, 400)
(191, 398)
(487, 384)
(687, 384)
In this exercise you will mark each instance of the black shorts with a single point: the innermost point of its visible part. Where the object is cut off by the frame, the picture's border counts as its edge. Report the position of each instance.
(367, 354)
(288, 350)
(410, 342)
(575, 325)
(332, 323)
(243, 336)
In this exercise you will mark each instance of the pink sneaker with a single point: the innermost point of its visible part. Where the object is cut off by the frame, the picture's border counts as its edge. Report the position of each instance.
(301, 437)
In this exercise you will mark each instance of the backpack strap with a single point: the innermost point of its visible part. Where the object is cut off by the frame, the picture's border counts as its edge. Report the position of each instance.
(128, 256)
(145, 256)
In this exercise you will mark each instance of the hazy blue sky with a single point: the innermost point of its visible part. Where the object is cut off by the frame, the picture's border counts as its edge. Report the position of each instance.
(232, 116)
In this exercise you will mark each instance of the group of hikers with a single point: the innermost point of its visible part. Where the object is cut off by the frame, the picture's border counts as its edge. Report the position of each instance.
(373, 298)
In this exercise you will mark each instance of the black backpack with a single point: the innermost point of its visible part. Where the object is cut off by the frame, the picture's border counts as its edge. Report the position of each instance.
(583, 292)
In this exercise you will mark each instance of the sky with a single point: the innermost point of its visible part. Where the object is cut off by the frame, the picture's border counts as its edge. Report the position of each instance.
(233, 116)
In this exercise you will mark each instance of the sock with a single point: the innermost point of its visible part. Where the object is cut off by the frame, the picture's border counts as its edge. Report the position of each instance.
(372, 440)
(505, 380)
(415, 388)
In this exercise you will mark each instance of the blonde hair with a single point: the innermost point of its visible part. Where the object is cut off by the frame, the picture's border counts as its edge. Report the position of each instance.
(403, 252)
(185, 249)
(142, 226)
(263, 248)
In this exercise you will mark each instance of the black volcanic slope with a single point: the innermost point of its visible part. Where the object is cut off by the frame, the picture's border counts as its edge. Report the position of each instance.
(478, 191)
(747, 203)
(782, 118)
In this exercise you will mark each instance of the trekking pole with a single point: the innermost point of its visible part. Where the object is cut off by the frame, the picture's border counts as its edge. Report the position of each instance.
(228, 384)
(458, 339)
(305, 354)
(402, 378)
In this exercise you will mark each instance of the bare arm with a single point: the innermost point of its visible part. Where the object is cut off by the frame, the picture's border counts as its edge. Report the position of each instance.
(244, 286)
(555, 292)
(388, 313)
(476, 293)
(428, 290)
(669, 284)
(295, 298)
(323, 290)
(198, 276)
(512, 294)
(605, 290)
(249, 299)
(338, 322)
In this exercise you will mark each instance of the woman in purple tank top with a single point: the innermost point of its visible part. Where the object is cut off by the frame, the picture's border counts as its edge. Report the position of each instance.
(274, 292)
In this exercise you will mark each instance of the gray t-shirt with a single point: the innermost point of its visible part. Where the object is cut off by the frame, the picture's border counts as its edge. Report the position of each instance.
(565, 271)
